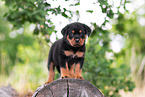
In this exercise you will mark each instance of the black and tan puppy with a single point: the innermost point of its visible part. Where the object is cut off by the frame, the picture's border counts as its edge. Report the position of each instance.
(68, 53)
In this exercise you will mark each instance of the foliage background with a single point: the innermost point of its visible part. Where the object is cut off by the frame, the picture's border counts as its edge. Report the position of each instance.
(25, 34)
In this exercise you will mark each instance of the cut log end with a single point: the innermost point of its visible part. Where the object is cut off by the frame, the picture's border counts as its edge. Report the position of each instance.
(68, 88)
(8, 91)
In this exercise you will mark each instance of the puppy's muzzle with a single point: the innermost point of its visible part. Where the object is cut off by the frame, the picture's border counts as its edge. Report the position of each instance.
(77, 41)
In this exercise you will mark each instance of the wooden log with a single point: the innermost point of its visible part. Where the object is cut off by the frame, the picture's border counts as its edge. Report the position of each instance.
(68, 88)
(8, 91)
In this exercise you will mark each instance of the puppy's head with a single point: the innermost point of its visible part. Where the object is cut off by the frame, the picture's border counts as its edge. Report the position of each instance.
(76, 33)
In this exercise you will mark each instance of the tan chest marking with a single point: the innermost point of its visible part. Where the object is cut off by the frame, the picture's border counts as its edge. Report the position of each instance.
(68, 53)
(79, 54)
(71, 53)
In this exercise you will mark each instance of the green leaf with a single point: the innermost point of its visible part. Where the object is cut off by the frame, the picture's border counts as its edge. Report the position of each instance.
(36, 31)
(77, 4)
(91, 11)
(63, 14)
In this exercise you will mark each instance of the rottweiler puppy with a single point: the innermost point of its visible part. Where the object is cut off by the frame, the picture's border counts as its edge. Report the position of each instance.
(68, 53)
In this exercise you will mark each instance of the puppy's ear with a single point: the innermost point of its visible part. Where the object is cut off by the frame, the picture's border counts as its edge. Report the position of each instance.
(87, 29)
(64, 31)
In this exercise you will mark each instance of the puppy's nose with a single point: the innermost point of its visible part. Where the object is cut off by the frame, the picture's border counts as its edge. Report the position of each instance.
(77, 40)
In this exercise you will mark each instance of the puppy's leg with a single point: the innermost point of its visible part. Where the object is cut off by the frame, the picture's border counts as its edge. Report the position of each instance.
(78, 71)
(64, 69)
(71, 71)
(51, 72)
(78, 68)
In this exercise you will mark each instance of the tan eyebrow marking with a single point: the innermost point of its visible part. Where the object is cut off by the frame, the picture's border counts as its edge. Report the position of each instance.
(80, 31)
(73, 31)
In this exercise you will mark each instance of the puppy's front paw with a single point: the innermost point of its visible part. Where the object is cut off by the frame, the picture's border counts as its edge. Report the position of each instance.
(72, 75)
(66, 76)
(79, 77)
(48, 82)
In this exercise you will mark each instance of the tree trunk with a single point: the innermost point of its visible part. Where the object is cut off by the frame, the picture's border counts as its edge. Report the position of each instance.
(8, 91)
(68, 88)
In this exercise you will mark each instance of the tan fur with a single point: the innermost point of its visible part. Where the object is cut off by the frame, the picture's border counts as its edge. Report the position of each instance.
(82, 40)
(65, 72)
(68, 53)
(79, 54)
(71, 41)
(71, 71)
(51, 74)
(73, 31)
(71, 53)
(78, 72)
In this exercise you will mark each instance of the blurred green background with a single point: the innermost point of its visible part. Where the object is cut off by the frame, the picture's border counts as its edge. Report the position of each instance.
(115, 55)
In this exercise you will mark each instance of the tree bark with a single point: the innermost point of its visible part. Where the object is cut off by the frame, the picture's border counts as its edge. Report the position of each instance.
(68, 88)
(8, 91)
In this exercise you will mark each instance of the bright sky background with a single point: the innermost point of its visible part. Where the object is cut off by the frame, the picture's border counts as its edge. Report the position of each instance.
(96, 17)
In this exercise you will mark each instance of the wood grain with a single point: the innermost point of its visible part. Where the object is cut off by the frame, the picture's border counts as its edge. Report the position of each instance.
(68, 88)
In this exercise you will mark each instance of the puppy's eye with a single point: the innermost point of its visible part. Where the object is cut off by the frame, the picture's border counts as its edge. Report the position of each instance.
(71, 34)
